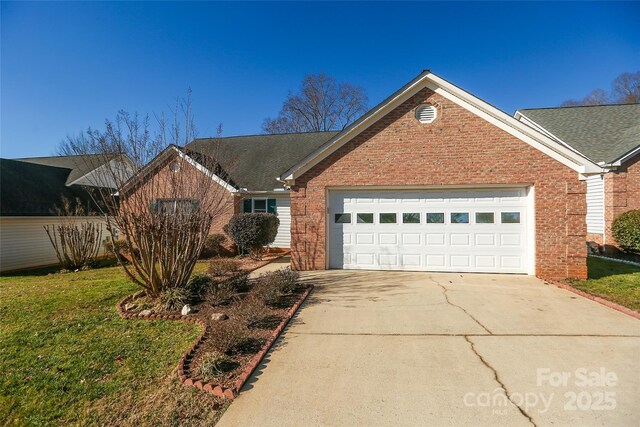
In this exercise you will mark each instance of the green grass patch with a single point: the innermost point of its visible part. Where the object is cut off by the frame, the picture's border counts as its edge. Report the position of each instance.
(67, 358)
(613, 281)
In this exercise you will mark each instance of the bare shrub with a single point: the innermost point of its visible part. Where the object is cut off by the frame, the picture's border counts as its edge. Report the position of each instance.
(220, 293)
(222, 266)
(76, 241)
(266, 292)
(227, 336)
(214, 365)
(250, 311)
(160, 197)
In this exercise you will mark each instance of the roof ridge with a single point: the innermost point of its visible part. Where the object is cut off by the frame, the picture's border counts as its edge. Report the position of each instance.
(266, 134)
(580, 106)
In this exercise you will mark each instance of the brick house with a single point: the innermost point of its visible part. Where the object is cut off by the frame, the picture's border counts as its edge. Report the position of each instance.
(609, 135)
(431, 179)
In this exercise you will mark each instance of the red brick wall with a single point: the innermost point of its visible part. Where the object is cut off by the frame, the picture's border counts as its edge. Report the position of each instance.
(157, 186)
(457, 148)
(621, 194)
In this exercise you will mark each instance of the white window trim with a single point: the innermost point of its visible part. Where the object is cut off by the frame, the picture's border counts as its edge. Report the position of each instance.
(253, 205)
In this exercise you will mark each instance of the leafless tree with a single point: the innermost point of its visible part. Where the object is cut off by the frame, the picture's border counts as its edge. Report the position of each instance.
(625, 90)
(322, 104)
(159, 197)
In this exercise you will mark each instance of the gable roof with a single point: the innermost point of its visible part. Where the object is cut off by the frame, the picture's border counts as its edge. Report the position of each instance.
(32, 189)
(603, 133)
(255, 162)
(79, 165)
(499, 118)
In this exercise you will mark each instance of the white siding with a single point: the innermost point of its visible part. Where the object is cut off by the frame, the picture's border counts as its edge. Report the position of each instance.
(283, 209)
(24, 242)
(595, 204)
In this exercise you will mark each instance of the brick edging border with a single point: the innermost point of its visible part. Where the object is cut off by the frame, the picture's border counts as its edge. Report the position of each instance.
(599, 300)
(184, 364)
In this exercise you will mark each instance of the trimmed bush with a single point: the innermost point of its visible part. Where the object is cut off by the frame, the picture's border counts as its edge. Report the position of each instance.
(213, 246)
(626, 230)
(198, 284)
(222, 266)
(174, 299)
(251, 232)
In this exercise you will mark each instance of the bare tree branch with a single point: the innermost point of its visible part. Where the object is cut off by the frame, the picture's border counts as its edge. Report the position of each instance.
(322, 104)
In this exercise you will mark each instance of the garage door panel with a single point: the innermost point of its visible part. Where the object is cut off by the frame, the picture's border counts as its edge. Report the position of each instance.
(410, 239)
(435, 239)
(485, 239)
(459, 239)
(490, 235)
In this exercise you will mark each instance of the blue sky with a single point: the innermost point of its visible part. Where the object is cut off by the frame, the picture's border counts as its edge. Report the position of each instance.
(68, 66)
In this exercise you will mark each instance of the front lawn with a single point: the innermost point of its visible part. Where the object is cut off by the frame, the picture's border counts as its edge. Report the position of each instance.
(67, 358)
(613, 281)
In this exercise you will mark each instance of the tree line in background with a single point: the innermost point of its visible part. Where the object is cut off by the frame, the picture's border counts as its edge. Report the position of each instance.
(625, 89)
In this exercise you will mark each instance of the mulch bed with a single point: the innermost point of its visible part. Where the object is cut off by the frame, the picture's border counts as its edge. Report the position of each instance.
(256, 339)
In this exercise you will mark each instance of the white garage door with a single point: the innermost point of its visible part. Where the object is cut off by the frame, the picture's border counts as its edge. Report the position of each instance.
(479, 230)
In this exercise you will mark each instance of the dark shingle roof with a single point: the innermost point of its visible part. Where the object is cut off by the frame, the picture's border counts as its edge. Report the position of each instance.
(253, 162)
(603, 133)
(79, 165)
(29, 189)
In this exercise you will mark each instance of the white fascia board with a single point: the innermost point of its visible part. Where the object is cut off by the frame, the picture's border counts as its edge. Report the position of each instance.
(624, 158)
(224, 184)
(537, 139)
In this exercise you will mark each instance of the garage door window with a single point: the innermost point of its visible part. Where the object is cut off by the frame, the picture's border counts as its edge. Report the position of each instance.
(365, 218)
(343, 218)
(388, 218)
(411, 218)
(435, 218)
(484, 217)
(510, 217)
(459, 218)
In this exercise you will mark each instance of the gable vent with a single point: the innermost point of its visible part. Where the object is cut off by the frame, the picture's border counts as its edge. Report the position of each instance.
(426, 114)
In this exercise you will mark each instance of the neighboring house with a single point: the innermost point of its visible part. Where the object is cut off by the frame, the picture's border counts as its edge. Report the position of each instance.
(31, 190)
(609, 135)
(247, 169)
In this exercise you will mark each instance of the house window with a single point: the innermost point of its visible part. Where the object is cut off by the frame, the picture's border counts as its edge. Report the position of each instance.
(388, 218)
(435, 218)
(510, 217)
(259, 205)
(411, 218)
(459, 218)
(343, 218)
(484, 217)
(364, 218)
(173, 206)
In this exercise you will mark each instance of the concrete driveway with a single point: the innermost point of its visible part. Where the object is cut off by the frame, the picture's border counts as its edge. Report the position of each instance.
(418, 349)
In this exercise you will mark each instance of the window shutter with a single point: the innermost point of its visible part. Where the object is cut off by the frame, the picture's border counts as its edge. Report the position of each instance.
(271, 206)
(153, 206)
(246, 205)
